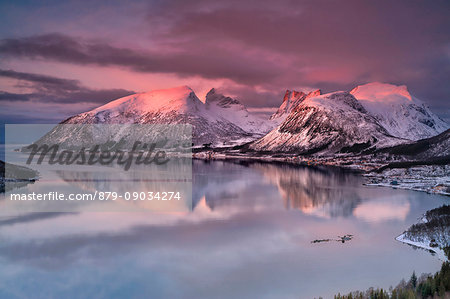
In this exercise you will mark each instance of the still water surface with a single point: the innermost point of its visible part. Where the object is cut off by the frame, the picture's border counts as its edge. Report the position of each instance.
(248, 236)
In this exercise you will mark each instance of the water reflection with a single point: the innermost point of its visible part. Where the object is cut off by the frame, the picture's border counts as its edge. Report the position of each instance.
(248, 236)
(383, 210)
(319, 191)
(325, 192)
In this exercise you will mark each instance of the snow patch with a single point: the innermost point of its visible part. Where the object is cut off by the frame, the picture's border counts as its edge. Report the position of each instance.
(424, 243)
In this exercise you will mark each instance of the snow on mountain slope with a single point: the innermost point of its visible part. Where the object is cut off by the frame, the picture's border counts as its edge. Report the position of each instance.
(177, 105)
(291, 100)
(181, 99)
(327, 123)
(232, 110)
(401, 114)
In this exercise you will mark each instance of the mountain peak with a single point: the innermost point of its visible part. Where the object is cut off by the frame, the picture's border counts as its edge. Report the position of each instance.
(220, 120)
(219, 99)
(291, 99)
(293, 94)
(179, 92)
(382, 92)
(315, 93)
(181, 98)
(325, 124)
(211, 93)
(402, 114)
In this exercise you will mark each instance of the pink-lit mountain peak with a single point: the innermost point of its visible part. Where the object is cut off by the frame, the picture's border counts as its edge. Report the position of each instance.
(292, 99)
(293, 94)
(314, 93)
(180, 99)
(382, 92)
(402, 114)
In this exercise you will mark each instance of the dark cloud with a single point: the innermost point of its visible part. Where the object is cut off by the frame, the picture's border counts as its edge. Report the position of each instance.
(59, 47)
(273, 46)
(47, 81)
(57, 90)
(14, 96)
(332, 45)
(384, 39)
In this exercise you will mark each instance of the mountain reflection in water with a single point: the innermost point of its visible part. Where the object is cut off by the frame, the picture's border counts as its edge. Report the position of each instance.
(248, 235)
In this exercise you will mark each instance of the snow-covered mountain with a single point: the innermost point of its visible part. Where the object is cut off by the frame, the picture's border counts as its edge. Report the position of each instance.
(400, 113)
(232, 110)
(221, 120)
(327, 123)
(369, 116)
(372, 115)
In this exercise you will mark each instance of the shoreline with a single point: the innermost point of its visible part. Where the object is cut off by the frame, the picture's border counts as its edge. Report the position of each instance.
(436, 250)
(430, 232)
(421, 178)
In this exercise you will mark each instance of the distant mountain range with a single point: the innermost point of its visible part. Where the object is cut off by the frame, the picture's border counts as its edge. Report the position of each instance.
(368, 117)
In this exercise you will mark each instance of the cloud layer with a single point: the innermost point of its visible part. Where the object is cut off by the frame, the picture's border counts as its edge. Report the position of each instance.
(58, 90)
(259, 47)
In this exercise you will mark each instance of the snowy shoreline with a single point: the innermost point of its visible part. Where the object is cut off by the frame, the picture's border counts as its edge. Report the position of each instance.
(431, 179)
(431, 232)
(424, 245)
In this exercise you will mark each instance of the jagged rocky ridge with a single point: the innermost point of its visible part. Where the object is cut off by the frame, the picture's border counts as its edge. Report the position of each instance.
(291, 100)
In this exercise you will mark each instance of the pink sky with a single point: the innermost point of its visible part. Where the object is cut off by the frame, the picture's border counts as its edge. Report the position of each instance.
(252, 50)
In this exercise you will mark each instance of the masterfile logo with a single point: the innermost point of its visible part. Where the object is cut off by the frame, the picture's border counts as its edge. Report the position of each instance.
(130, 167)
